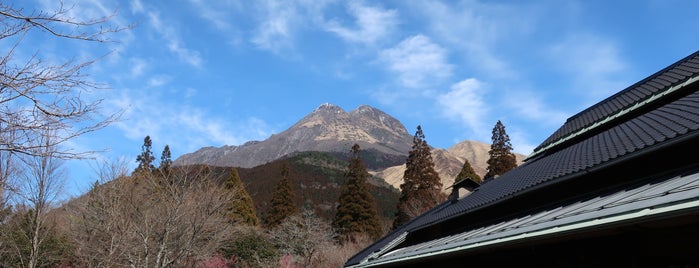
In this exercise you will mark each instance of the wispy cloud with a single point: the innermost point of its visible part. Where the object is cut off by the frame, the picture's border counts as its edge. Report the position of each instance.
(138, 67)
(177, 123)
(530, 106)
(137, 6)
(158, 80)
(593, 63)
(465, 102)
(478, 30)
(417, 61)
(274, 32)
(218, 13)
(173, 41)
(371, 24)
(520, 143)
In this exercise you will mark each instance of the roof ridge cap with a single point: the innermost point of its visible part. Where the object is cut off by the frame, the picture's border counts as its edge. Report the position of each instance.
(615, 115)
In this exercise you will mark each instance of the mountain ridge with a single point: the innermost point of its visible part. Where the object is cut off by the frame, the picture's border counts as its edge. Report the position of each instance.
(384, 140)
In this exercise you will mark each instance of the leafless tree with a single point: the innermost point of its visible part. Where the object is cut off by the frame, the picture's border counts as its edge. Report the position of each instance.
(37, 93)
(39, 181)
(148, 221)
(43, 182)
(303, 235)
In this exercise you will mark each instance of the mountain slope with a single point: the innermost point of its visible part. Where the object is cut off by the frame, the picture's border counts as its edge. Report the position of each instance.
(327, 129)
(448, 163)
(317, 179)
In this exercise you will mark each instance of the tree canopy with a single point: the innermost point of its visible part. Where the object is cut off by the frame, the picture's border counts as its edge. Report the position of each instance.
(241, 209)
(467, 172)
(422, 188)
(145, 158)
(282, 203)
(356, 212)
(501, 158)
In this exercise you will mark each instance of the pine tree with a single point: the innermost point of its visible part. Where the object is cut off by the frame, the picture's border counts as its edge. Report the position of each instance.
(241, 210)
(422, 188)
(283, 197)
(356, 213)
(165, 161)
(501, 158)
(146, 158)
(467, 172)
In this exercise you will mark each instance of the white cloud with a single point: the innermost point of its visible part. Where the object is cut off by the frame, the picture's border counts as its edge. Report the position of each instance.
(158, 80)
(520, 144)
(138, 67)
(479, 30)
(137, 6)
(417, 61)
(593, 62)
(465, 102)
(173, 42)
(218, 13)
(278, 22)
(188, 128)
(372, 24)
(528, 105)
(274, 32)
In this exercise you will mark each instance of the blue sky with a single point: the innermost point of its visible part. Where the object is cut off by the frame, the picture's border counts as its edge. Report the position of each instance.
(211, 73)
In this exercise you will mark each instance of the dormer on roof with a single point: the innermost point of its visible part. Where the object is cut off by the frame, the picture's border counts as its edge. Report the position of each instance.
(466, 183)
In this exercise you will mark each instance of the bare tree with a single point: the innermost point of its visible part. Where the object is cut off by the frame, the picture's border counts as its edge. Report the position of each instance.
(44, 182)
(38, 94)
(304, 235)
(152, 222)
(38, 185)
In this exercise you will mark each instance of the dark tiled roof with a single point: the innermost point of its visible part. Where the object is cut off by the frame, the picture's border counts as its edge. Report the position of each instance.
(643, 90)
(654, 121)
(654, 198)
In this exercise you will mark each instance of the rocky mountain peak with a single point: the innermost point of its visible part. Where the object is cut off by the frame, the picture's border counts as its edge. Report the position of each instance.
(379, 118)
(328, 128)
(328, 108)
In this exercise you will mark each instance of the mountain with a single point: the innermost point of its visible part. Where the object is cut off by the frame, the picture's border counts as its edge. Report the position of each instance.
(327, 129)
(384, 141)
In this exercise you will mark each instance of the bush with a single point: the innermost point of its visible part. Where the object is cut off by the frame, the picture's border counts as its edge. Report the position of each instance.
(252, 248)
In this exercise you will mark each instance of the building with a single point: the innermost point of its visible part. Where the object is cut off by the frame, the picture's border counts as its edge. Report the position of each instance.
(616, 185)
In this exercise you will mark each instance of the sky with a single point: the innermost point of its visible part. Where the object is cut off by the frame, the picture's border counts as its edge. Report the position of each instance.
(196, 73)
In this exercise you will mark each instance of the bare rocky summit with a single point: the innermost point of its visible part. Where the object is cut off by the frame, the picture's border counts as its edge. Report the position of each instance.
(327, 129)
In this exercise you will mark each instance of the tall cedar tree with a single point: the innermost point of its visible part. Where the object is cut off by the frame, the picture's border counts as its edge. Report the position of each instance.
(241, 209)
(165, 161)
(356, 213)
(283, 197)
(422, 188)
(501, 158)
(146, 158)
(467, 172)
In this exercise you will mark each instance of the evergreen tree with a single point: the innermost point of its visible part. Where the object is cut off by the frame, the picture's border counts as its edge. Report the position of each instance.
(165, 161)
(467, 172)
(356, 213)
(422, 188)
(501, 158)
(146, 158)
(283, 197)
(241, 210)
